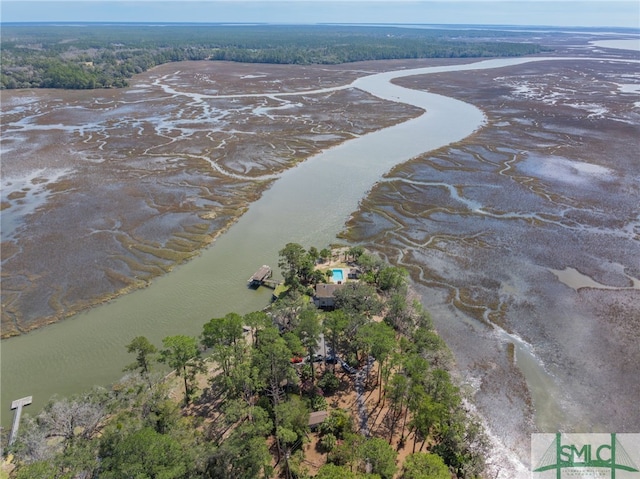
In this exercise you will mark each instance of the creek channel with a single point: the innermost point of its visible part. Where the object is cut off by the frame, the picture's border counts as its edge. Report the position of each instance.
(309, 204)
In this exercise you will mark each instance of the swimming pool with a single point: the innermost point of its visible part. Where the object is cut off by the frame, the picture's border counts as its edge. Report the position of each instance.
(338, 275)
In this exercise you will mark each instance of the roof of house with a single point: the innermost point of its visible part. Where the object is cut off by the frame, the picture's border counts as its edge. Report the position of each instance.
(317, 417)
(324, 290)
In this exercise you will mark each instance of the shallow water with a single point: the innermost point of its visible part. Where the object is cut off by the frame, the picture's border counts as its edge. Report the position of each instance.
(630, 44)
(576, 280)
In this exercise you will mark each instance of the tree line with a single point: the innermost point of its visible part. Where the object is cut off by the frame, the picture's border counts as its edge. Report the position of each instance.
(251, 419)
(106, 56)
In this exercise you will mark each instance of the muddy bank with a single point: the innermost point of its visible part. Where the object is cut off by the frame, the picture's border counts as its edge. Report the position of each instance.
(550, 184)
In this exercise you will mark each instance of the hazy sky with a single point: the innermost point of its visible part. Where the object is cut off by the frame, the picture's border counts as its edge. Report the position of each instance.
(505, 12)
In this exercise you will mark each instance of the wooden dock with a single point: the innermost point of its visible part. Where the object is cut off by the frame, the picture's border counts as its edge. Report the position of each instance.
(271, 283)
(261, 277)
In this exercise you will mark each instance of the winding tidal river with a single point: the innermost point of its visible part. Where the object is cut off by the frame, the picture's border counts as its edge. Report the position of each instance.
(308, 204)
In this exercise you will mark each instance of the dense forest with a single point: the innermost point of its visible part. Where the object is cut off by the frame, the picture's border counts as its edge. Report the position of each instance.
(105, 56)
(239, 400)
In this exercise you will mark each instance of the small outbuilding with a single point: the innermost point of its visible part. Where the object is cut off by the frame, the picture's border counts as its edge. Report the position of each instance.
(354, 273)
(316, 418)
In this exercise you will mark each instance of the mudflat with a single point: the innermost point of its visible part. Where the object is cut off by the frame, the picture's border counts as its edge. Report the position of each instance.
(105, 189)
(524, 240)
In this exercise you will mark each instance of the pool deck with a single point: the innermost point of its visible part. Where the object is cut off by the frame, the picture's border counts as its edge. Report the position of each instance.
(340, 278)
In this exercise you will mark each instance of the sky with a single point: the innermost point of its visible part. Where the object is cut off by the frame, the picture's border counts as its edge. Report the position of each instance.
(580, 13)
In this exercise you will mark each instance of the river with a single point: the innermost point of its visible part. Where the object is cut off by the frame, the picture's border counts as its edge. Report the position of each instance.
(308, 204)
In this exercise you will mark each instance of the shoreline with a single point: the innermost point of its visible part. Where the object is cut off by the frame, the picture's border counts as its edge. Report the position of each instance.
(135, 286)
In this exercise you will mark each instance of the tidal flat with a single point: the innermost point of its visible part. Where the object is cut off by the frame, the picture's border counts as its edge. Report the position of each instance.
(104, 190)
(524, 240)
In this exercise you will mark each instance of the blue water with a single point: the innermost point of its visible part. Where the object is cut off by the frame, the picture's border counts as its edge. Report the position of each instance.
(337, 275)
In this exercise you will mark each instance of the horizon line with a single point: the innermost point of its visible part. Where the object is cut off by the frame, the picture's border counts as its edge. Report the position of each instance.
(382, 24)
